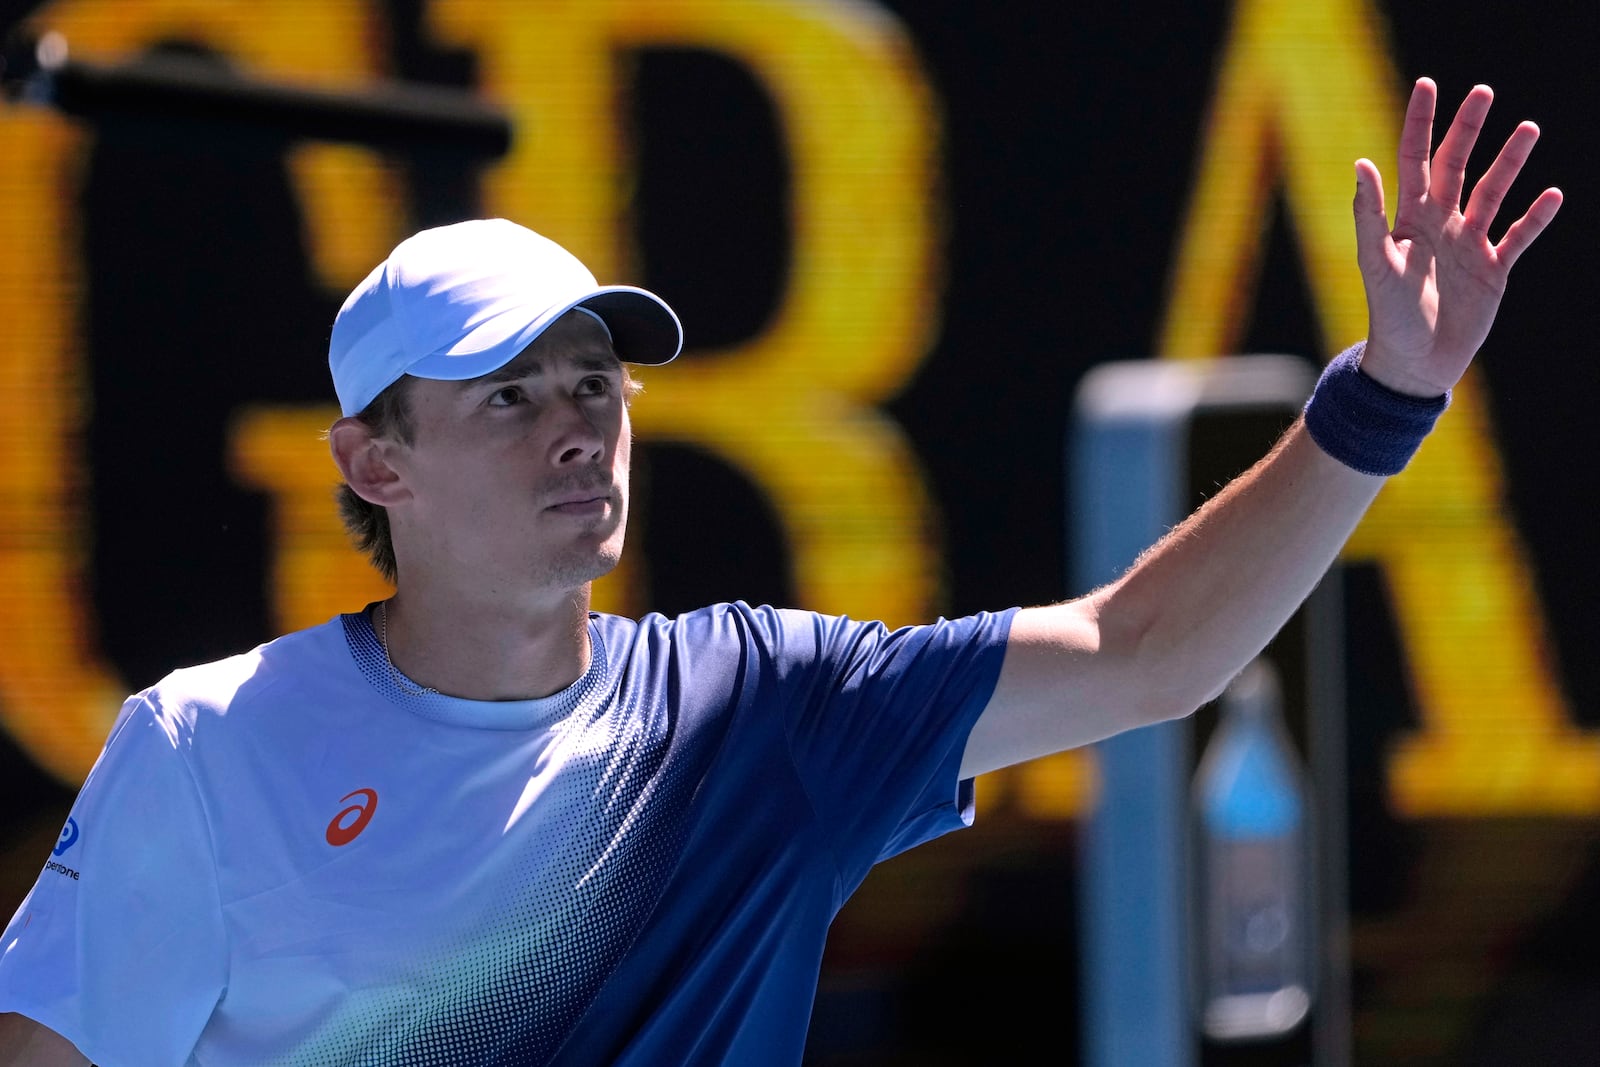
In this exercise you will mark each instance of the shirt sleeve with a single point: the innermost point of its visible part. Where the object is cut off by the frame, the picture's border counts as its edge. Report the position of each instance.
(119, 947)
(877, 722)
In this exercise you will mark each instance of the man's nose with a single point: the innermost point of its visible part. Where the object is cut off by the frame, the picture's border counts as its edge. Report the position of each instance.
(579, 439)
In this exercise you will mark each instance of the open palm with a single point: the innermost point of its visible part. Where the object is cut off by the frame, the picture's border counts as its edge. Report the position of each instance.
(1434, 281)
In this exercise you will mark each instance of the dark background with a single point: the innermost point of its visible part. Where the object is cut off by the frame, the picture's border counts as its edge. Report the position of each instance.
(1069, 139)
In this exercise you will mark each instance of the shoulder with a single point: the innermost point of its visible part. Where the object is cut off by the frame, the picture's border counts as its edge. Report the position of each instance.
(790, 632)
(719, 644)
(733, 624)
(791, 636)
(182, 700)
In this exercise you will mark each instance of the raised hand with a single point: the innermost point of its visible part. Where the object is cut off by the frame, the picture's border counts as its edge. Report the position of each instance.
(1435, 281)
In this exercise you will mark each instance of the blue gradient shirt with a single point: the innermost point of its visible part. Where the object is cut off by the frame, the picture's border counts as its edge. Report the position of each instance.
(296, 856)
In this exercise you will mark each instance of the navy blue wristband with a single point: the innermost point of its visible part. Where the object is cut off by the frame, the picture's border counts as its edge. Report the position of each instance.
(1364, 424)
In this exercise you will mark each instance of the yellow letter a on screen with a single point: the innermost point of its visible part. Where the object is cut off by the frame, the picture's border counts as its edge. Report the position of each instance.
(1304, 89)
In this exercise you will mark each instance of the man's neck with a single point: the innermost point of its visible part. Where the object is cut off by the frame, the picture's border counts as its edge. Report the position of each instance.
(486, 650)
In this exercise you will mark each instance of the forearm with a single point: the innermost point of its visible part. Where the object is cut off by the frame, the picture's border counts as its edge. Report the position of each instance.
(1188, 615)
(1210, 595)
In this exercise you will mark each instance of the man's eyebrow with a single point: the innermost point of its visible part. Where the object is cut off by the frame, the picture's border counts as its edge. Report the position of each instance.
(597, 361)
(519, 369)
(513, 371)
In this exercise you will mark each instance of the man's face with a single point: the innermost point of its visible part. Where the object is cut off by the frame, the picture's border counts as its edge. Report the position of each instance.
(519, 480)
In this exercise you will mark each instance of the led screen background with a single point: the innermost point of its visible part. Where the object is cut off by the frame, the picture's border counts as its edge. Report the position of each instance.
(898, 236)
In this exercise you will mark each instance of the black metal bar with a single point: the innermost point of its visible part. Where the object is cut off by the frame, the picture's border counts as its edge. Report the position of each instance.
(396, 117)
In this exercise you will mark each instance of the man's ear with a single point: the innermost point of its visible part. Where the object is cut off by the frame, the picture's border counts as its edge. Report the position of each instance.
(365, 461)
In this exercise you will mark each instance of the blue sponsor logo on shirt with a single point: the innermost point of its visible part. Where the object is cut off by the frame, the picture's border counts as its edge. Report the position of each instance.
(69, 837)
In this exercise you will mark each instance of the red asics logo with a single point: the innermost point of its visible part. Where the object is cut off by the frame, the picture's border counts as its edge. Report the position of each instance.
(343, 830)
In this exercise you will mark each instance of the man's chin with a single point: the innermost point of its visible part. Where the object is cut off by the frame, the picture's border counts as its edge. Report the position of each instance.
(582, 567)
(606, 562)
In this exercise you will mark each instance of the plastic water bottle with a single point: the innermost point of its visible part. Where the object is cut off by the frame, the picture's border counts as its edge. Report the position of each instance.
(1253, 868)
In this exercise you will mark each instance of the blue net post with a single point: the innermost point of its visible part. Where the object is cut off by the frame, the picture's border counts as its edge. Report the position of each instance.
(1150, 438)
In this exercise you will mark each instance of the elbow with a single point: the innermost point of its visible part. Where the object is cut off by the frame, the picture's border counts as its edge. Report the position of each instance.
(1171, 703)
(1176, 692)
(1172, 706)
(1167, 676)
(1180, 679)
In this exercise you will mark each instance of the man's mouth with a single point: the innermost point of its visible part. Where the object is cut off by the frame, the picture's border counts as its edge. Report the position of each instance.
(580, 502)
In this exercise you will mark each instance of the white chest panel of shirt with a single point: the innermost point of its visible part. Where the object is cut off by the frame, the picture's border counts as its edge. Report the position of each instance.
(501, 862)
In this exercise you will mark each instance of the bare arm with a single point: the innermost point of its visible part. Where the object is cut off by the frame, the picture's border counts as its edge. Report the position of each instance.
(1169, 634)
(25, 1043)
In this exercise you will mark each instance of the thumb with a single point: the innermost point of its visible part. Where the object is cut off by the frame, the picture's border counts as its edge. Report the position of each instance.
(1372, 224)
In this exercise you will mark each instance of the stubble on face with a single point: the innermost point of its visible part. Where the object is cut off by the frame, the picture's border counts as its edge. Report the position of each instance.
(598, 551)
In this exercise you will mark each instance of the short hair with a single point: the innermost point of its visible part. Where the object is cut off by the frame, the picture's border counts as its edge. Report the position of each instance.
(389, 415)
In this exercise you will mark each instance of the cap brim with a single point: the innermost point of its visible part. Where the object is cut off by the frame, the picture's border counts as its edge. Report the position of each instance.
(643, 328)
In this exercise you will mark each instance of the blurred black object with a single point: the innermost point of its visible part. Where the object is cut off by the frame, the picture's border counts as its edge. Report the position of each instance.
(173, 86)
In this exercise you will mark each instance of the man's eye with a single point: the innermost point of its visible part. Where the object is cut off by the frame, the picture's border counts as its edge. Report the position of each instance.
(595, 386)
(505, 397)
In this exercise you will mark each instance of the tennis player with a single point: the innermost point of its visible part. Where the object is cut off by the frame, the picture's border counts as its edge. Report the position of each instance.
(478, 823)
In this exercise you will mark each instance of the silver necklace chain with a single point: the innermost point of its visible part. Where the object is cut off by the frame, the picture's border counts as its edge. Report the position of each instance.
(405, 684)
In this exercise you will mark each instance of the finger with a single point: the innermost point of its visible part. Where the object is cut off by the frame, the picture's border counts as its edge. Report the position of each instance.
(1416, 142)
(1372, 223)
(1450, 162)
(1525, 230)
(1491, 189)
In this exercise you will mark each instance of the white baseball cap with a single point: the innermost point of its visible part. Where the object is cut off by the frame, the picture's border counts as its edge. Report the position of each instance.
(459, 301)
